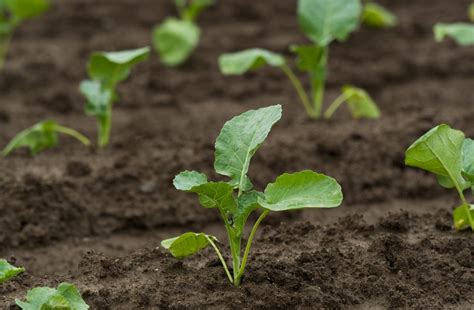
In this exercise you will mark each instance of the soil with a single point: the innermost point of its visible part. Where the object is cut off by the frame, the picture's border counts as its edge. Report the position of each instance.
(96, 218)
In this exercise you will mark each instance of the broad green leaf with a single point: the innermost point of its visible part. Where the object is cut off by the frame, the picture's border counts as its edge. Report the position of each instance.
(190, 9)
(187, 244)
(300, 190)
(439, 151)
(468, 159)
(65, 297)
(24, 9)
(216, 195)
(246, 204)
(462, 33)
(239, 140)
(311, 58)
(360, 103)
(98, 98)
(464, 217)
(376, 16)
(113, 67)
(252, 59)
(72, 295)
(186, 180)
(324, 21)
(42, 136)
(8, 271)
(37, 138)
(175, 40)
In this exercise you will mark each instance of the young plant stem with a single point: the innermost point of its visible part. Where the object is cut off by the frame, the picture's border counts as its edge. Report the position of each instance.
(220, 258)
(319, 84)
(335, 105)
(105, 124)
(238, 279)
(299, 89)
(73, 133)
(5, 39)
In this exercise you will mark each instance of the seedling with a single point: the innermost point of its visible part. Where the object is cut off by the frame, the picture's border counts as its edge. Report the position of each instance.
(323, 22)
(236, 199)
(12, 14)
(175, 39)
(42, 136)
(461, 33)
(376, 16)
(105, 71)
(449, 155)
(66, 297)
(8, 271)
(471, 12)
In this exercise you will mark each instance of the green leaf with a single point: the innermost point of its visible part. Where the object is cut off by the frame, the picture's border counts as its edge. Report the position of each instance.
(24, 9)
(310, 59)
(239, 140)
(462, 33)
(216, 195)
(187, 244)
(468, 159)
(175, 40)
(113, 67)
(324, 21)
(42, 136)
(37, 138)
(439, 151)
(464, 217)
(186, 180)
(246, 204)
(8, 271)
(300, 190)
(377, 16)
(251, 59)
(360, 103)
(65, 297)
(98, 98)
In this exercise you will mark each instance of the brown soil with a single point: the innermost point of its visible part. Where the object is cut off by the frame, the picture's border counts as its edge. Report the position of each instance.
(95, 218)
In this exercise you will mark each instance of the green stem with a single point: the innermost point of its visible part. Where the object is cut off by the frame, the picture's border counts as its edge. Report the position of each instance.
(73, 133)
(335, 105)
(105, 124)
(319, 84)
(220, 258)
(299, 89)
(4, 46)
(238, 279)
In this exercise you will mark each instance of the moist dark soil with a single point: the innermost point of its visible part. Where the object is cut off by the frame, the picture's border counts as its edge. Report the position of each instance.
(96, 217)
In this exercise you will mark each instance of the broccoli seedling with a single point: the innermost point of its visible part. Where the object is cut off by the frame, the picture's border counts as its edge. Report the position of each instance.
(105, 71)
(323, 22)
(12, 13)
(66, 297)
(176, 38)
(42, 136)
(236, 199)
(8, 271)
(461, 33)
(376, 16)
(448, 154)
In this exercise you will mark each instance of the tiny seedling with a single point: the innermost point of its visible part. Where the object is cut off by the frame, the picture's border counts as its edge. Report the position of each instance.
(66, 297)
(236, 199)
(42, 136)
(105, 71)
(8, 271)
(176, 38)
(461, 33)
(323, 22)
(376, 16)
(448, 154)
(12, 14)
